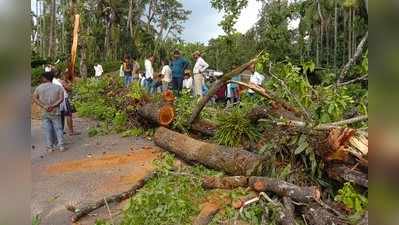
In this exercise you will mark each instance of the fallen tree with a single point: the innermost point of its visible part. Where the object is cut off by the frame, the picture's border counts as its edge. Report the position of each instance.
(158, 114)
(262, 184)
(234, 161)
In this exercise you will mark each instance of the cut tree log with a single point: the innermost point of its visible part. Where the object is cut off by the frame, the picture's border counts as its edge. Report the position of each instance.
(206, 215)
(159, 114)
(86, 209)
(168, 96)
(233, 161)
(284, 189)
(216, 86)
(343, 173)
(263, 184)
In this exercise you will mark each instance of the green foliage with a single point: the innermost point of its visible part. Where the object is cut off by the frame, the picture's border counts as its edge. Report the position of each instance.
(232, 10)
(135, 132)
(119, 121)
(184, 106)
(161, 201)
(36, 77)
(234, 128)
(109, 102)
(352, 199)
(333, 103)
(36, 220)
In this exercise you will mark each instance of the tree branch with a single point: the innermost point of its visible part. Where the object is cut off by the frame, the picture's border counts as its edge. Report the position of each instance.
(351, 61)
(306, 113)
(364, 77)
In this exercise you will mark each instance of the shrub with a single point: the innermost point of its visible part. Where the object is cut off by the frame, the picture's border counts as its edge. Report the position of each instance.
(352, 199)
(234, 127)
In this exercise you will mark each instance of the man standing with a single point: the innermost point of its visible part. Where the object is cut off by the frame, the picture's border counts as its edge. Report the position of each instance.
(178, 66)
(127, 70)
(199, 68)
(166, 74)
(149, 83)
(49, 96)
(256, 79)
(98, 70)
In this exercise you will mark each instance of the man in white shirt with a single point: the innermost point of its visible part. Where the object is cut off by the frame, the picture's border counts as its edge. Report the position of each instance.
(98, 70)
(149, 74)
(199, 67)
(256, 79)
(166, 74)
(188, 81)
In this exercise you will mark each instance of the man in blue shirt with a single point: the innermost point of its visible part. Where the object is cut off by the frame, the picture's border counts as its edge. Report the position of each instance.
(178, 66)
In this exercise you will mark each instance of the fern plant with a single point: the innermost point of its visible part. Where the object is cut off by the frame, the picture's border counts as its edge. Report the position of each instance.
(234, 128)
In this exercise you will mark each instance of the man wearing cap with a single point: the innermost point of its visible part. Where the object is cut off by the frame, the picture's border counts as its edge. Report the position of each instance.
(178, 66)
(199, 68)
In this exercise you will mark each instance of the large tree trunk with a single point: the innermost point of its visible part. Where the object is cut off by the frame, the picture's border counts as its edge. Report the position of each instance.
(130, 19)
(234, 161)
(51, 43)
(158, 114)
(82, 64)
(74, 48)
(216, 86)
(335, 33)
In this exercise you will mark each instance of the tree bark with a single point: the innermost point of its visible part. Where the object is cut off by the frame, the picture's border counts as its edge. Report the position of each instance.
(263, 184)
(74, 48)
(51, 43)
(335, 32)
(158, 114)
(343, 174)
(234, 161)
(317, 215)
(218, 84)
(206, 215)
(284, 189)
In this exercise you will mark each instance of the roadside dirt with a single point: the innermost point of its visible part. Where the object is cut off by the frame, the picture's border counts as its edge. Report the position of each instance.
(91, 169)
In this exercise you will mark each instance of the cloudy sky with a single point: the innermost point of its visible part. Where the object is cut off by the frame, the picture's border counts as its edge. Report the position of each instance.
(203, 22)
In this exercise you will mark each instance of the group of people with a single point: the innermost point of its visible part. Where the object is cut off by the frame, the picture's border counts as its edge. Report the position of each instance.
(53, 97)
(174, 75)
(53, 94)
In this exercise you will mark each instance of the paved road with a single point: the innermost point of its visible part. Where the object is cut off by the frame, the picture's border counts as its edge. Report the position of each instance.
(91, 169)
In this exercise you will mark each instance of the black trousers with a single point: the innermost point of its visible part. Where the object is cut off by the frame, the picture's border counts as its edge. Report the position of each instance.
(177, 84)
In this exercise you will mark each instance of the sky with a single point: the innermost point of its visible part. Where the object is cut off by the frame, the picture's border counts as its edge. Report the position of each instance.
(202, 24)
